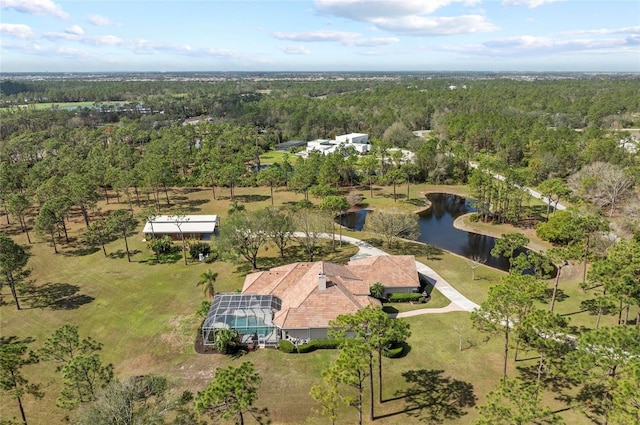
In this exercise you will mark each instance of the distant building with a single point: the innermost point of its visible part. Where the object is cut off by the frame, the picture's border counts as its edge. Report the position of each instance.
(191, 226)
(358, 141)
(322, 145)
(196, 120)
(286, 146)
(630, 143)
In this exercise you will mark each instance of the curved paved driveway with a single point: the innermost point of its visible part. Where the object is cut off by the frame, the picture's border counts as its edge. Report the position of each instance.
(458, 301)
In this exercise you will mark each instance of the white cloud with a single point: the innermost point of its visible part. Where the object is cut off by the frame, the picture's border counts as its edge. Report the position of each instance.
(35, 7)
(76, 33)
(316, 36)
(366, 10)
(523, 46)
(295, 50)
(75, 30)
(101, 21)
(344, 37)
(408, 17)
(72, 53)
(103, 40)
(376, 41)
(603, 31)
(19, 31)
(32, 48)
(146, 47)
(53, 36)
(531, 4)
(435, 26)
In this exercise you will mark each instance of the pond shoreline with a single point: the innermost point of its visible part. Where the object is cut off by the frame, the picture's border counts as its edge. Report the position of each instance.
(535, 244)
(463, 222)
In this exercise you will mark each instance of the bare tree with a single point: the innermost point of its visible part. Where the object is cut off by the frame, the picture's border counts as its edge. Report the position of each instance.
(393, 223)
(474, 262)
(632, 214)
(313, 225)
(602, 184)
(180, 220)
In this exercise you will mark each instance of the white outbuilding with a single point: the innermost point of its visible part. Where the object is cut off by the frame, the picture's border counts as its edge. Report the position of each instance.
(190, 226)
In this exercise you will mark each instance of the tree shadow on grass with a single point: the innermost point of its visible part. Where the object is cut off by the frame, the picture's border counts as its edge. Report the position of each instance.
(390, 309)
(251, 198)
(194, 204)
(433, 398)
(244, 268)
(406, 349)
(121, 253)
(163, 259)
(590, 400)
(13, 339)
(548, 293)
(57, 296)
(557, 382)
(192, 189)
(81, 251)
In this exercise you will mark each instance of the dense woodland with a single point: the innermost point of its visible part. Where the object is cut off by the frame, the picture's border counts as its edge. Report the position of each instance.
(568, 136)
(532, 130)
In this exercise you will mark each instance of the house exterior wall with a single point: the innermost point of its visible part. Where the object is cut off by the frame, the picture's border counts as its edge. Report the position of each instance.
(353, 138)
(296, 333)
(310, 334)
(319, 333)
(407, 290)
(174, 236)
(360, 147)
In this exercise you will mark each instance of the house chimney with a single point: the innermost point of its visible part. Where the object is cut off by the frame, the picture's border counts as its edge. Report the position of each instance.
(322, 281)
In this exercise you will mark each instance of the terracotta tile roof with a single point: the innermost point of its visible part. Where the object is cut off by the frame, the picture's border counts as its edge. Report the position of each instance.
(393, 271)
(304, 305)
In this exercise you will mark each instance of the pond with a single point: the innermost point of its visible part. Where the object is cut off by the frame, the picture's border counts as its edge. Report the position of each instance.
(436, 229)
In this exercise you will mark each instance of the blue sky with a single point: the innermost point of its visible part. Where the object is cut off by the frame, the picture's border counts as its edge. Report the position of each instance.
(319, 35)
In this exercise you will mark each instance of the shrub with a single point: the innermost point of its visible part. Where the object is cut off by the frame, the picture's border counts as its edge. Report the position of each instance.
(319, 344)
(226, 341)
(404, 298)
(286, 346)
(203, 309)
(211, 258)
(163, 245)
(197, 248)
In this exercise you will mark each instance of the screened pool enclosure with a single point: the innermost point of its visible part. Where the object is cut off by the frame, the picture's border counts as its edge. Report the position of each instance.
(251, 315)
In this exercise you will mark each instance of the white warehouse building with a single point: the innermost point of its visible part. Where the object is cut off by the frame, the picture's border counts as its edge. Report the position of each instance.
(359, 141)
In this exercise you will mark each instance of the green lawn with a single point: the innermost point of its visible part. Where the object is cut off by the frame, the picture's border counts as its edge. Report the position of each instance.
(144, 315)
(275, 156)
(62, 105)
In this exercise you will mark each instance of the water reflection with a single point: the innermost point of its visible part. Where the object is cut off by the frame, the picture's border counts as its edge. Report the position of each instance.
(436, 228)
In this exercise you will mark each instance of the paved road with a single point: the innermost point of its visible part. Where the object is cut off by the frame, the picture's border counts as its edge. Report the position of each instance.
(458, 301)
(532, 192)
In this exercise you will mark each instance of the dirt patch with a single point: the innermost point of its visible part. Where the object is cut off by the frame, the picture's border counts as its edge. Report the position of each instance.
(572, 273)
(200, 348)
(144, 364)
(179, 332)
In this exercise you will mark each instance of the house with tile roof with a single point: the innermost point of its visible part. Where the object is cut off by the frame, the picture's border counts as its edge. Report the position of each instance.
(310, 295)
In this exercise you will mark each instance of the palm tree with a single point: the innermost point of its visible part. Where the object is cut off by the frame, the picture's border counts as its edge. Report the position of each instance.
(207, 280)
(377, 290)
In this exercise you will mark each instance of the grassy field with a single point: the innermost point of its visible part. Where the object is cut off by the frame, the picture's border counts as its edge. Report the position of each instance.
(144, 315)
(61, 105)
